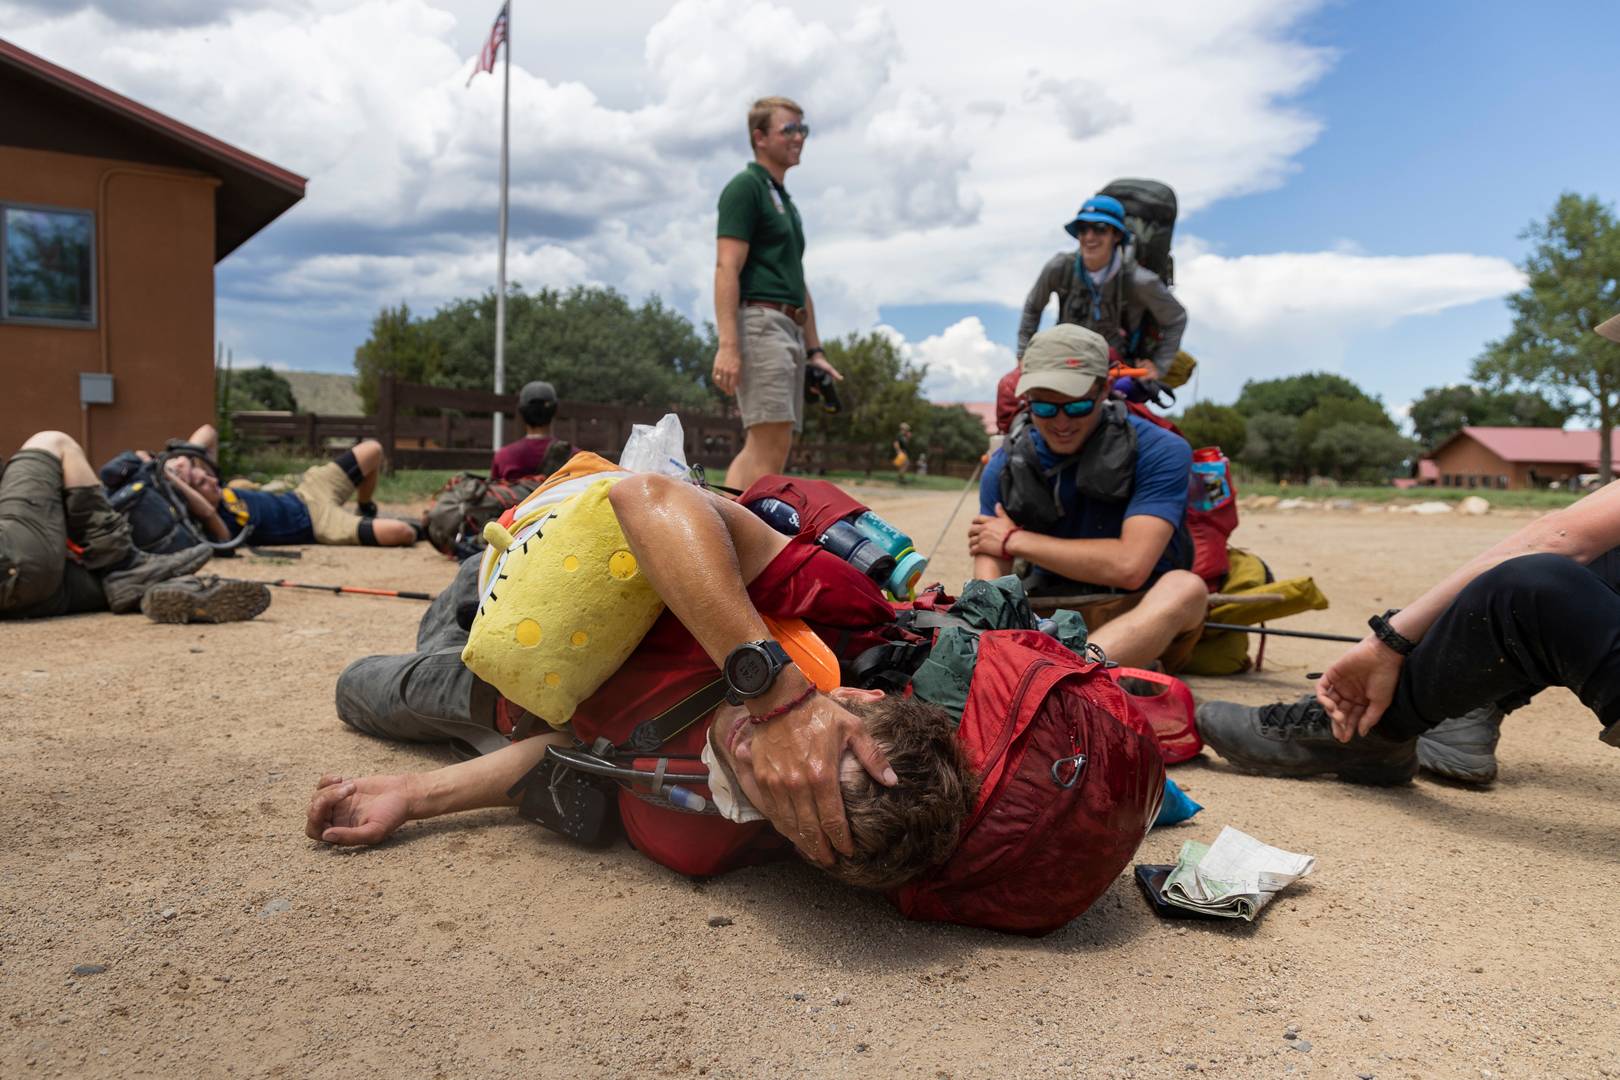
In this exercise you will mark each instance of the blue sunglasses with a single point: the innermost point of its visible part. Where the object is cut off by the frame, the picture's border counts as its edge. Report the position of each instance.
(1074, 410)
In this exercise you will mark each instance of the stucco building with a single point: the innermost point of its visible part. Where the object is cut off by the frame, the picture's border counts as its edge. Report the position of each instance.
(112, 217)
(1514, 457)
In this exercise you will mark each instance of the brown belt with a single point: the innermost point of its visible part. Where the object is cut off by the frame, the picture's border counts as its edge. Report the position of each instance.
(797, 314)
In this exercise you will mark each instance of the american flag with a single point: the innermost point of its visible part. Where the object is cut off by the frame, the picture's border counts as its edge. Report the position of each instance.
(497, 38)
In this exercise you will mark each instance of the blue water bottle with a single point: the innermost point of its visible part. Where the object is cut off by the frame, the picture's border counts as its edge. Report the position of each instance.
(908, 563)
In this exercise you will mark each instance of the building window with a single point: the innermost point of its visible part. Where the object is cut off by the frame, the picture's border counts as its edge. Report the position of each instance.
(48, 271)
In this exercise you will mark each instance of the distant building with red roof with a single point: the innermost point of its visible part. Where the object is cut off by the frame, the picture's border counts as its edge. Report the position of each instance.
(1514, 457)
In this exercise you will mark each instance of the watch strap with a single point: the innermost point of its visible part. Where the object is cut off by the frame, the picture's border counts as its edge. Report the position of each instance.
(1392, 638)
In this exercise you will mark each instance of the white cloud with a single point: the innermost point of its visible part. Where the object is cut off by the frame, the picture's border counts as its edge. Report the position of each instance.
(951, 142)
(963, 363)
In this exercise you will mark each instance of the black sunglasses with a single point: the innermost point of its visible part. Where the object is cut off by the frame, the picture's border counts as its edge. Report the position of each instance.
(1074, 410)
(797, 127)
(1093, 226)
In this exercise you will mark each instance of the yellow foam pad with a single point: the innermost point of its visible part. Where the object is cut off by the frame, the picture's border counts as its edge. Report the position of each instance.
(564, 605)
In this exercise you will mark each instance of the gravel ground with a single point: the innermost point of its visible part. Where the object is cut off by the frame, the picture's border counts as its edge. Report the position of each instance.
(162, 914)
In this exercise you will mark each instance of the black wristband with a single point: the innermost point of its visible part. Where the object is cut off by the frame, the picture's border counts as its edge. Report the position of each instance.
(1391, 638)
(812, 352)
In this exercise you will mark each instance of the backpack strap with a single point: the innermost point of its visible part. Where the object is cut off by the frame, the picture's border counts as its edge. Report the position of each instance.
(650, 734)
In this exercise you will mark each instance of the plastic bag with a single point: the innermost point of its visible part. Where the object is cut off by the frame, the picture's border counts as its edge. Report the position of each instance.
(660, 448)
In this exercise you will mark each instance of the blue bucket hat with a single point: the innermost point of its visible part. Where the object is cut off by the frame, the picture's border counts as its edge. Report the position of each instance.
(1104, 209)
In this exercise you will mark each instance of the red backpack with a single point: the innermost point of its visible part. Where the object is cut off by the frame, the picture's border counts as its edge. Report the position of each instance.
(1070, 780)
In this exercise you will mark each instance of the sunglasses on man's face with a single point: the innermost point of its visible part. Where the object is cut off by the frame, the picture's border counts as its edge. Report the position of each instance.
(1074, 410)
(1094, 227)
(797, 127)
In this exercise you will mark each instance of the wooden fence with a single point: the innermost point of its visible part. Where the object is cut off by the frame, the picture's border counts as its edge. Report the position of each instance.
(434, 427)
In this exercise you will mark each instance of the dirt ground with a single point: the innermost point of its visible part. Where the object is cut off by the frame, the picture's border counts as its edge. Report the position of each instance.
(153, 796)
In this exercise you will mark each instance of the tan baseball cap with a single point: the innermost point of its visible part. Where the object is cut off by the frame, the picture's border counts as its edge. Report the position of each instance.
(1610, 329)
(1066, 359)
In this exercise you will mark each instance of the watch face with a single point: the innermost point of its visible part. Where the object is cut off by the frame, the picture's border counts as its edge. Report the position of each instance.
(750, 670)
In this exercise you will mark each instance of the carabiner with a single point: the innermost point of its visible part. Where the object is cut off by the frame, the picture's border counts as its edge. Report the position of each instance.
(1075, 763)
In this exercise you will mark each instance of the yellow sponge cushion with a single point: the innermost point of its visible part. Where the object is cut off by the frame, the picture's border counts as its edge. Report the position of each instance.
(564, 605)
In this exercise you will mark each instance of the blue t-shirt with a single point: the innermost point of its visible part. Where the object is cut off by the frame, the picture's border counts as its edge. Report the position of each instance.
(1163, 472)
(277, 517)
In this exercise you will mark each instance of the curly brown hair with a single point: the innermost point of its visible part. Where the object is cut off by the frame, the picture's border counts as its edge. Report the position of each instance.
(902, 831)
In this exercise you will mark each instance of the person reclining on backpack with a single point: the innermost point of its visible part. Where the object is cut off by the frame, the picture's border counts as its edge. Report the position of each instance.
(1102, 288)
(868, 787)
(312, 513)
(50, 497)
(1117, 523)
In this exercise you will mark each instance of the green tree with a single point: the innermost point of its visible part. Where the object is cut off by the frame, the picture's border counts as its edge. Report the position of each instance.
(1317, 456)
(264, 389)
(1442, 411)
(953, 433)
(1295, 394)
(398, 346)
(1271, 444)
(1347, 450)
(1208, 424)
(881, 388)
(1572, 284)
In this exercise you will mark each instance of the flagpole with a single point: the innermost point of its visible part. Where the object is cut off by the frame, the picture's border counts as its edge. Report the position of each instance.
(500, 264)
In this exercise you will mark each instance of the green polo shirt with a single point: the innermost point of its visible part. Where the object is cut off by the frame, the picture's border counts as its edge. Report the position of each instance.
(756, 209)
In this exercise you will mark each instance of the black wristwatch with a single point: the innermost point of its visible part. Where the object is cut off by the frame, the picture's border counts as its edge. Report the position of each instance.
(1391, 637)
(751, 669)
(812, 352)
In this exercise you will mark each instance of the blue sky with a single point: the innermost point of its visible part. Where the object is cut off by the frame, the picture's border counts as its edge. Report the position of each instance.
(1447, 127)
(1354, 176)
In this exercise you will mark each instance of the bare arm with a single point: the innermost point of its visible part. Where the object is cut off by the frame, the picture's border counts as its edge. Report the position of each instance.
(699, 552)
(730, 254)
(207, 438)
(1123, 563)
(205, 512)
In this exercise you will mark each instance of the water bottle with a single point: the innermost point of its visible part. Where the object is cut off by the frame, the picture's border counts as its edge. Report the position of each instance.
(908, 564)
(1214, 474)
(777, 514)
(852, 545)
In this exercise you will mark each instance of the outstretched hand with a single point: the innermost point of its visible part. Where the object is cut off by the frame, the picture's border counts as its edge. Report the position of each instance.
(366, 810)
(795, 761)
(1359, 686)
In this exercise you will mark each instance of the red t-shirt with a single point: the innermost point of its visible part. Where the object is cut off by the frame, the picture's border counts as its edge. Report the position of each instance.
(519, 459)
(838, 602)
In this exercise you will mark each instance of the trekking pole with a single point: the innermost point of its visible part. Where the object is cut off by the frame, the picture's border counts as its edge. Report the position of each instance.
(960, 499)
(1313, 635)
(357, 590)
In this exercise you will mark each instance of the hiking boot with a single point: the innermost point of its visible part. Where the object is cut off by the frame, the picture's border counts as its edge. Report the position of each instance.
(126, 586)
(204, 599)
(1296, 739)
(1464, 747)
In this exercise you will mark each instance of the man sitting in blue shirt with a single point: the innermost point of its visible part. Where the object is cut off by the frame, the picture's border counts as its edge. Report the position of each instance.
(1093, 499)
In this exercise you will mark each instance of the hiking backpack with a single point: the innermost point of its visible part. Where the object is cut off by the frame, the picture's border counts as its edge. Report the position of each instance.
(469, 501)
(1150, 218)
(160, 522)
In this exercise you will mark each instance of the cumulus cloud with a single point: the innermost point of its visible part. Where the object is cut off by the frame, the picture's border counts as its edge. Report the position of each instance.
(963, 363)
(951, 142)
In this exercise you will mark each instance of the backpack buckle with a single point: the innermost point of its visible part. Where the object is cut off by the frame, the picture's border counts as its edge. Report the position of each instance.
(1072, 765)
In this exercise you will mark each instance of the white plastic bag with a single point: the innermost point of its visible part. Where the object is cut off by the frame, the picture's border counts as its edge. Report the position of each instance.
(660, 448)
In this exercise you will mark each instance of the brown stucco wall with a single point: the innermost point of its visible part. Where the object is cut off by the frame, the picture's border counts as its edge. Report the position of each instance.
(155, 306)
(1465, 457)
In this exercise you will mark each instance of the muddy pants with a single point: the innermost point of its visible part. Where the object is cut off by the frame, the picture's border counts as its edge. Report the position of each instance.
(1529, 623)
(428, 695)
(38, 516)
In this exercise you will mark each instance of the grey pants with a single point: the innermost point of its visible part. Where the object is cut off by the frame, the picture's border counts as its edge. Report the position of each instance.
(428, 695)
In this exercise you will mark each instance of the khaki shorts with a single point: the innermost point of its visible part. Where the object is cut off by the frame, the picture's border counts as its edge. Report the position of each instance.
(772, 388)
(1110, 606)
(323, 491)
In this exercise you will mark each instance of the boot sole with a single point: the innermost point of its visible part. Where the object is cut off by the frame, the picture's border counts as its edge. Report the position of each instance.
(1365, 775)
(228, 601)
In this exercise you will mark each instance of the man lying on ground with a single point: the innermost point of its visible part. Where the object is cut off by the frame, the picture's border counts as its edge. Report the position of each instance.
(50, 498)
(1093, 501)
(1539, 609)
(870, 788)
(312, 513)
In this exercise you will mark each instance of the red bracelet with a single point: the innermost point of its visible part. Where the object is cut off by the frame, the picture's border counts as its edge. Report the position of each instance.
(782, 710)
(1015, 529)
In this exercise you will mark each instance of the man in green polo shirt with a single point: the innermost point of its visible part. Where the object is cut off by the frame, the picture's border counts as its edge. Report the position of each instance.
(765, 317)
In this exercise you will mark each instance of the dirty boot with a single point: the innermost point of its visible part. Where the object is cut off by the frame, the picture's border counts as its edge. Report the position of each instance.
(420, 697)
(210, 599)
(125, 586)
(1296, 739)
(96, 527)
(1464, 747)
